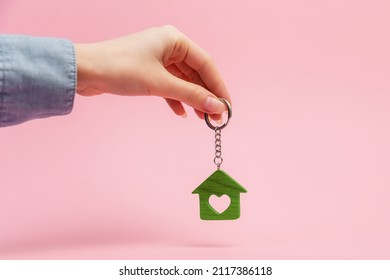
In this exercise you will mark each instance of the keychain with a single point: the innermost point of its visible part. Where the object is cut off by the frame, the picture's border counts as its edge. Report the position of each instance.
(219, 184)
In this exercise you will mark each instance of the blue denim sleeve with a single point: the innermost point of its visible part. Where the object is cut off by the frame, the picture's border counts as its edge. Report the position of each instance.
(37, 78)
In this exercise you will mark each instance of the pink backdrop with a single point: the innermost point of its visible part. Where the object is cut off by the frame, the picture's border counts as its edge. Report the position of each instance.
(309, 139)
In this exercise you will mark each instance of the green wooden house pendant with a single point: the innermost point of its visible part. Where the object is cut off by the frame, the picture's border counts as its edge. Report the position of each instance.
(219, 183)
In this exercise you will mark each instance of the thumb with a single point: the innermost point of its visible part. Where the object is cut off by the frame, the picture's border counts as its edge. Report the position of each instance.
(192, 94)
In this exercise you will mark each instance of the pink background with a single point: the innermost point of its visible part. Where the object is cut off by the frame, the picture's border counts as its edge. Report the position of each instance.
(309, 139)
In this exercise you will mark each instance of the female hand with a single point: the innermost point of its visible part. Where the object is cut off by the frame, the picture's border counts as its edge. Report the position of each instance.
(158, 61)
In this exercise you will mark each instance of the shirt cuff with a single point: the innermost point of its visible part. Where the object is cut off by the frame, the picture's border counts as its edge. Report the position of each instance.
(37, 78)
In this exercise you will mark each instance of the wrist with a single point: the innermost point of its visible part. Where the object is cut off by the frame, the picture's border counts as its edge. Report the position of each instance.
(85, 71)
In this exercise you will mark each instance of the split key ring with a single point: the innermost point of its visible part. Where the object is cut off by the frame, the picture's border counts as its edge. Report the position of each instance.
(207, 118)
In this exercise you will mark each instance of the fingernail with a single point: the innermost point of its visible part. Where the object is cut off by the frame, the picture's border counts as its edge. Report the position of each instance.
(213, 105)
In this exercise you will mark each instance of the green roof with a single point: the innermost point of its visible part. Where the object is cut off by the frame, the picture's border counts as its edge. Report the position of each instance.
(220, 183)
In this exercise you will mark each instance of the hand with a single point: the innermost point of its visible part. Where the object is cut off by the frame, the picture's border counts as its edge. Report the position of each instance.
(158, 61)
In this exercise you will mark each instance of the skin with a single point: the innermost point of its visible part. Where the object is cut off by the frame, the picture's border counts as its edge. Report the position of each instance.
(158, 61)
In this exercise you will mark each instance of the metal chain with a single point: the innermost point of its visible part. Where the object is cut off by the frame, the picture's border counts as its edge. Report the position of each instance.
(218, 148)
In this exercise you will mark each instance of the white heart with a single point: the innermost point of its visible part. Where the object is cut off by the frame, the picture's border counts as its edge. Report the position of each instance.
(220, 204)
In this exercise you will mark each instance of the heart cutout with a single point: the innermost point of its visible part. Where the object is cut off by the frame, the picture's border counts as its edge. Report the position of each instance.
(219, 204)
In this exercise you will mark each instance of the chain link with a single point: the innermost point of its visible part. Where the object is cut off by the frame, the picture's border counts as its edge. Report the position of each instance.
(218, 160)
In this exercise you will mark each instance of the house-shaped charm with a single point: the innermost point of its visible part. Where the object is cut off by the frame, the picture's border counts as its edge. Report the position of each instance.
(219, 183)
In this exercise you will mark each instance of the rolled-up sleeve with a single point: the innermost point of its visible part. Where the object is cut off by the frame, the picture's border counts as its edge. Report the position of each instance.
(37, 78)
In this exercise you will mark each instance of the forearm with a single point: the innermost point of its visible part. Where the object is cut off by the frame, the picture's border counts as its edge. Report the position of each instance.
(37, 78)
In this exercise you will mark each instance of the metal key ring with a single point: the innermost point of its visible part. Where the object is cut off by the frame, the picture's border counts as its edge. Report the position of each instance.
(207, 119)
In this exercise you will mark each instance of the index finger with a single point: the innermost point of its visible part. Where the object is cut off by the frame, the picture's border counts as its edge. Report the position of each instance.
(202, 63)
